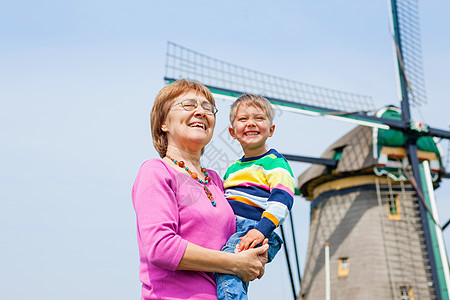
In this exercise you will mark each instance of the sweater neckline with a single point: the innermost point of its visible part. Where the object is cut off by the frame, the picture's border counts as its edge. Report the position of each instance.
(170, 167)
(247, 159)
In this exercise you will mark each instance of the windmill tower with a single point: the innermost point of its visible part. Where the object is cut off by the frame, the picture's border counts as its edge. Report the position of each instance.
(398, 173)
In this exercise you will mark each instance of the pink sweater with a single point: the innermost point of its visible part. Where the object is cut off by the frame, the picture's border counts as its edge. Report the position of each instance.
(172, 209)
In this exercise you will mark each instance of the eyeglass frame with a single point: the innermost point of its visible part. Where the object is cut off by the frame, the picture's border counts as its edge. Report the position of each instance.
(196, 102)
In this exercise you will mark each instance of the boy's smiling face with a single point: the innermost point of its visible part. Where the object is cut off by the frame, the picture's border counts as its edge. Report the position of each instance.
(251, 127)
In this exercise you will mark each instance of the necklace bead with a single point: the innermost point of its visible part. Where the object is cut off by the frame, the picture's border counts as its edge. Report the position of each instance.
(194, 175)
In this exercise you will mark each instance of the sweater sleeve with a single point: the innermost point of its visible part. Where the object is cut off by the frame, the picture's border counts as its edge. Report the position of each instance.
(281, 199)
(155, 203)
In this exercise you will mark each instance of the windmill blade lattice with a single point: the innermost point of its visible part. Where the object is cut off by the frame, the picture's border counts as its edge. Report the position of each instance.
(182, 62)
(408, 49)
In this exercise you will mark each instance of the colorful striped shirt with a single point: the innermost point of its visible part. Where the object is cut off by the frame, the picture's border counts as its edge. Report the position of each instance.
(261, 188)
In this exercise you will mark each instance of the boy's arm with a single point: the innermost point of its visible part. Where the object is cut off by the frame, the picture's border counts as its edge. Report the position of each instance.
(281, 199)
(279, 204)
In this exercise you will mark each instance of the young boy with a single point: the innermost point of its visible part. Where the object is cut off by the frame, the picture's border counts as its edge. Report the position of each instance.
(259, 187)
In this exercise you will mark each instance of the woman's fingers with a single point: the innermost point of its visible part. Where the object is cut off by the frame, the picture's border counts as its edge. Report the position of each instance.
(262, 249)
(261, 273)
(264, 257)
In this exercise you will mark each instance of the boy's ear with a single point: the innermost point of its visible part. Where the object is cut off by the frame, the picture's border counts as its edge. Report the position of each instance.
(231, 131)
(271, 130)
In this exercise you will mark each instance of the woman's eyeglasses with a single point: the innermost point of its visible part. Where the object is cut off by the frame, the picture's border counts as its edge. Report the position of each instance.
(191, 104)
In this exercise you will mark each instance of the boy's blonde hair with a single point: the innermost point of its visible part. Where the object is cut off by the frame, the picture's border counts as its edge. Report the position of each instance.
(252, 100)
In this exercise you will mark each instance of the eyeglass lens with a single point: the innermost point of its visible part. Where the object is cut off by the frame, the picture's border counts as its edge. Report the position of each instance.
(191, 104)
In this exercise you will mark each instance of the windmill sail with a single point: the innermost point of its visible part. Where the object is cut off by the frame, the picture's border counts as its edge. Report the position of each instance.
(407, 47)
(230, 80)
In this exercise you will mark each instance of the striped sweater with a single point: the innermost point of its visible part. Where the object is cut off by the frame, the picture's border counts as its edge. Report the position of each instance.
(261, 188)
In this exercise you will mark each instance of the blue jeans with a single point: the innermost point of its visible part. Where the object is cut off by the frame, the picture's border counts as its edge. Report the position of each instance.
(230, 287)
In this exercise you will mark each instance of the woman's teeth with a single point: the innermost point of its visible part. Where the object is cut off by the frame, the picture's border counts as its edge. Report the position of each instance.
(198, 125)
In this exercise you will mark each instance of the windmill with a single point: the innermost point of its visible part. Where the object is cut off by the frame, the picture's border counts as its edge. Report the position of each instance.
(229, 81)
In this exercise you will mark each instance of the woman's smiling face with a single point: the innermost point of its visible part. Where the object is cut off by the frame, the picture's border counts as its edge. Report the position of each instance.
(189, 129)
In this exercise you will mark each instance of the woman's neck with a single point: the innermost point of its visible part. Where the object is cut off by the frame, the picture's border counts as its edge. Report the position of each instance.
(189, 157)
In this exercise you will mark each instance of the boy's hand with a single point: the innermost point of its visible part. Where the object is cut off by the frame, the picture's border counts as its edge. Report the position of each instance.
(250, 240)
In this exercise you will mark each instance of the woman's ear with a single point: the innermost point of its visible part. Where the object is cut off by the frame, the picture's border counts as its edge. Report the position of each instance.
(164, 128)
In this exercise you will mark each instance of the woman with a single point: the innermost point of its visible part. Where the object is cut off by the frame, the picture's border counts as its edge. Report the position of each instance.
(183, 219)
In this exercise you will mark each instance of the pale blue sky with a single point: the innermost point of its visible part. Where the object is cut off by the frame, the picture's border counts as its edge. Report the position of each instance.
(78, 81)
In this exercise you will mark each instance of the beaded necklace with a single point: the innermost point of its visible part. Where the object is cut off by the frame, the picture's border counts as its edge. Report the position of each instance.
(194, 175)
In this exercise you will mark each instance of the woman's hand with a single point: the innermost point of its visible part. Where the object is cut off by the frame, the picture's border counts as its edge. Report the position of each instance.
(263, 258)
(250, 263)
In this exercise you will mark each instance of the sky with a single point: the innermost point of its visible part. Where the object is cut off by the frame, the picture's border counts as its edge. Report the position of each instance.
(78, 81)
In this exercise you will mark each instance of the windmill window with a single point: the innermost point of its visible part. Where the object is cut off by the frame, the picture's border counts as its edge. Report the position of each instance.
(344, 266)
(406, 293)
(393, 206)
